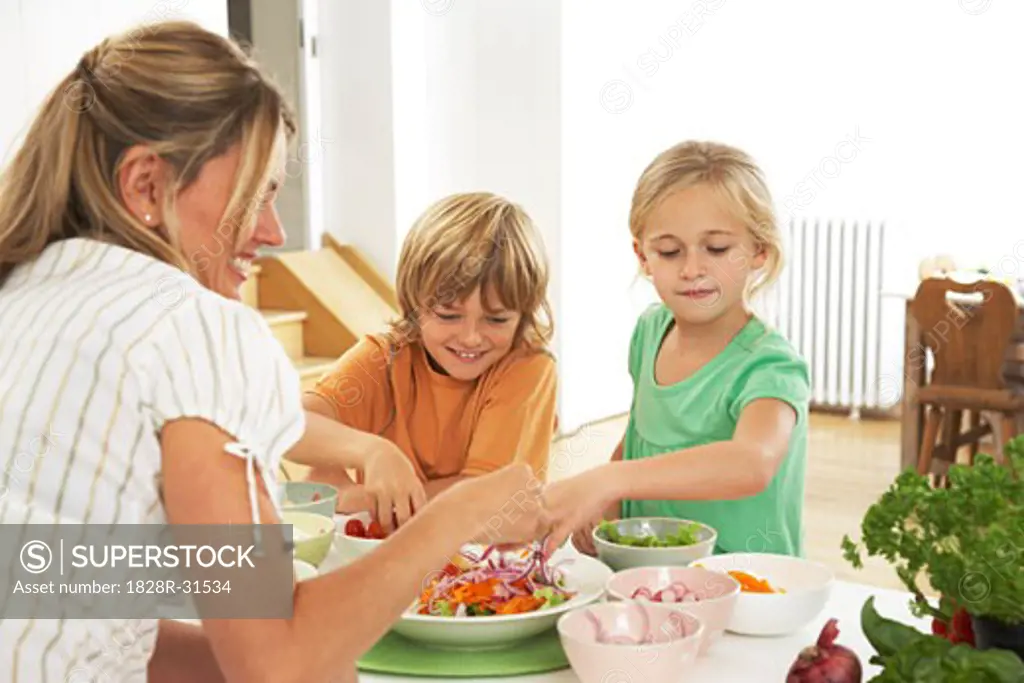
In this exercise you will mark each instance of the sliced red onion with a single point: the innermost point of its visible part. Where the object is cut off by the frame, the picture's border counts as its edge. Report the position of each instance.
(515, 575)
(642, 592)
(603, 637)
(647, 637)
(676, 592)
(682, 591)
(600, 635)
(529, 570)
(665, 595)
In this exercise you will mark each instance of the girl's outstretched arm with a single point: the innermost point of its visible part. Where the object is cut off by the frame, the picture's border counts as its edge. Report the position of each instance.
(740, 467)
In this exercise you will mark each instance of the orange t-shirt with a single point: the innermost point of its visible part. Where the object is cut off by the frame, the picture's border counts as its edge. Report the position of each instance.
(444, 425)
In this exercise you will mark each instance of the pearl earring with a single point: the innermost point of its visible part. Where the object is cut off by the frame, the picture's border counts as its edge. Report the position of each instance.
(147, 218)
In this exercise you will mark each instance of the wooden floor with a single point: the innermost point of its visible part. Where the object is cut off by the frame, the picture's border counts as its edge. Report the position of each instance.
(850, 464)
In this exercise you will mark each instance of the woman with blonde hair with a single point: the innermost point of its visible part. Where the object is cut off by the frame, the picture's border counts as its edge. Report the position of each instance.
(462, 383)
(717, 431)
(128, 221)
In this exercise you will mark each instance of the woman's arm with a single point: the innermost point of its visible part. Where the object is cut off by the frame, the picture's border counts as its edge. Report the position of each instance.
(340, 615)
(183, 653)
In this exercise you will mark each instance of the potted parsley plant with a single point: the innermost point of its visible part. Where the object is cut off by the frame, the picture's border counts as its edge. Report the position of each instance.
(967, 540)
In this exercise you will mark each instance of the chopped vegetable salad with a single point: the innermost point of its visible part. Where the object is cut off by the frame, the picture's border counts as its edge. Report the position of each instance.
(686, 534)
(494, 583)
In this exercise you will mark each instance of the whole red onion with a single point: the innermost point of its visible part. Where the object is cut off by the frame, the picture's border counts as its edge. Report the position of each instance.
(826, 662)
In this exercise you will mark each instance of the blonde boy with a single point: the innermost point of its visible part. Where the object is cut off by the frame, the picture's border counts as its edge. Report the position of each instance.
(461, 384)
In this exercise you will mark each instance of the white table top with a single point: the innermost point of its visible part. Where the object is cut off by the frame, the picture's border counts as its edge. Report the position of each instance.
(744, 659)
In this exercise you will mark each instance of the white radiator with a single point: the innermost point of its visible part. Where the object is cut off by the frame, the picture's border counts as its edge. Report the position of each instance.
(827, 302)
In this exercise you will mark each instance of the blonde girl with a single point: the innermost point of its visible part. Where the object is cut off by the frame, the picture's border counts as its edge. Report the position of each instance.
(717, 431)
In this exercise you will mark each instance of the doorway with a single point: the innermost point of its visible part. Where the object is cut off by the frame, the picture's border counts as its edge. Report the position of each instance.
(281, 36)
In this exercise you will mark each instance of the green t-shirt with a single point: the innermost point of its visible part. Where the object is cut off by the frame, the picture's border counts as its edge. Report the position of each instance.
(704, 408)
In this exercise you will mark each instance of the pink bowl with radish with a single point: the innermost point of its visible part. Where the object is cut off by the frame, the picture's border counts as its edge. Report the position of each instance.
(710, 596)
(629, 640)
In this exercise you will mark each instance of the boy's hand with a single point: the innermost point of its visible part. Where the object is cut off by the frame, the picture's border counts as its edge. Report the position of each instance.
(354, 499)
(391, 482)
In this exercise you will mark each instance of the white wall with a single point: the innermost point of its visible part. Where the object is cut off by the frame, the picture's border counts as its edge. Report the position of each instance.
(925, 86)
(42, 40)
(425, 105)
(354, 39)
(275, 39)
(309, 158)
(472, 117)
(560, 105)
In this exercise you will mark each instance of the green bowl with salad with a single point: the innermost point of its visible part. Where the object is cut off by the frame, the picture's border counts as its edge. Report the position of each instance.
(652, 542)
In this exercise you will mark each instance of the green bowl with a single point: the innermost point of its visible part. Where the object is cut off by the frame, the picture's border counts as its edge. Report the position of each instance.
(313, 535)
(297, 496)
(620, 557)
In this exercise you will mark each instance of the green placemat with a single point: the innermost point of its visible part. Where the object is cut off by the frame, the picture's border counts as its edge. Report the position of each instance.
(394, 654)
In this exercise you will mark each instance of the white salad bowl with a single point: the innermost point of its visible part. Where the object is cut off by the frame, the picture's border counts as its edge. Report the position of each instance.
(584, 575)
(620, 557)
(807, 586)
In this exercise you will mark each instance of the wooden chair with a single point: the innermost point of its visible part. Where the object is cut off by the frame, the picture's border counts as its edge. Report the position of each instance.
(968, 329)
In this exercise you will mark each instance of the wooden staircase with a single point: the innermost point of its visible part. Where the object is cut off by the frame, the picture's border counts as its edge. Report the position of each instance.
(319, 303)
(289, 329)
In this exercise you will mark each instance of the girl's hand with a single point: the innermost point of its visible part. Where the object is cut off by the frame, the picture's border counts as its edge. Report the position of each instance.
(583, 537)
(391, 483)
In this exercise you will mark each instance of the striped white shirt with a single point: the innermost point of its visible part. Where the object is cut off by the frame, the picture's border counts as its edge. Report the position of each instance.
(100, 346)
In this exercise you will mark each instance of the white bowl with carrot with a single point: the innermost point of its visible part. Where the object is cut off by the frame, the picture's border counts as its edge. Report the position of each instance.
(779, 594)
(487, 599)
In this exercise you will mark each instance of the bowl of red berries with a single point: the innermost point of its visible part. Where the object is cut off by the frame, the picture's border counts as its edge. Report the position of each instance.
(359, 535)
